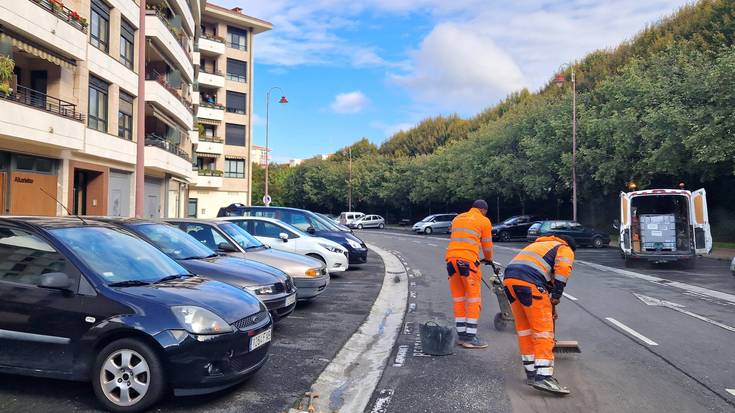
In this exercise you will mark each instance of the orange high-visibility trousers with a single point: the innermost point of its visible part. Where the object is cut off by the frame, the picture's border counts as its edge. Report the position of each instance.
(533, 314)
(465, 280)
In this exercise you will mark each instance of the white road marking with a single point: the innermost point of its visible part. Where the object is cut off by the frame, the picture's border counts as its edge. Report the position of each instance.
(569, 296)
(432, 244)
(382, 402)
(632, 332)
(401, 355)
(731, 391)
(680, 308)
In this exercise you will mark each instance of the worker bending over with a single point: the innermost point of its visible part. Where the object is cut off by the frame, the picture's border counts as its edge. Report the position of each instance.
(534, 282)
(471, 231)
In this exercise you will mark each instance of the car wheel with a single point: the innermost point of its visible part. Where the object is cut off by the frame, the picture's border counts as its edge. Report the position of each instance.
(317, 256)
(128, 376)
(504, 236)
(597, 242)
(381, 226)
(428, 230)
(359, 226)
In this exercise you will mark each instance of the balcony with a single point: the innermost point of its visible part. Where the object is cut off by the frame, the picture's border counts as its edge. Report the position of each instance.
(213, 111)
(109, 147)
(208, 178)
(157, 28)
(49, 23)
(54, 122)
(165, 156)
(207, 144)
(211, 44)
(167, 98)
(213, 78)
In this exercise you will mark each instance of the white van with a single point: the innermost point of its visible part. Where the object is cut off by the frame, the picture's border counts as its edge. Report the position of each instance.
(664, 225)
(347, 218)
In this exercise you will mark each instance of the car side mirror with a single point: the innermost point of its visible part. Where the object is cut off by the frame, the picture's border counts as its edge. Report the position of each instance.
(225, 247)
(55, 281)
(310, 230)
(283, 236)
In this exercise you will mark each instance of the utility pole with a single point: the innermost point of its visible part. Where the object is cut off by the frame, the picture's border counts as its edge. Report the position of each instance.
(349, 186)
(140, 143)
(560, 79)
(283, 100)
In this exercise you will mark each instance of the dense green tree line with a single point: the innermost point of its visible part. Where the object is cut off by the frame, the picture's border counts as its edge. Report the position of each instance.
(656, 110)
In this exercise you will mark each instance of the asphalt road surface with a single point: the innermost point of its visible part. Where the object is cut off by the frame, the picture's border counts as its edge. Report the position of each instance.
(675, 355)
(303, 344)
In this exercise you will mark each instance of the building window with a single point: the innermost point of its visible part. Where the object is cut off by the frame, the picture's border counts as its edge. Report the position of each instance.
(127, 40)
(35, 164)
(99, 33)
(192, 211)
(125, 117)
(237, 38)
(237, 70)
(97, 104)
(236, 102)
(234, 168)
(235, 134)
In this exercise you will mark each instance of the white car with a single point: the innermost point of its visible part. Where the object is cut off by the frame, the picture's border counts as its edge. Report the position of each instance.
(282, 236)
(732, 267)
(347, 218)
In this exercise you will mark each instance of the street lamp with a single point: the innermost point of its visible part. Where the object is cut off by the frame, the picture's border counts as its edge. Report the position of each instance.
(283, 100)
(560, 79)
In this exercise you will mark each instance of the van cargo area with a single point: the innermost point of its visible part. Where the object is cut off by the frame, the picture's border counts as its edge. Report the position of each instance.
(660, 225)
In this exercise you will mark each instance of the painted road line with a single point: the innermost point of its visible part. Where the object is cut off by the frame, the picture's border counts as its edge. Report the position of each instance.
(632, 332)
(349, 380)
(731, 391)
(569, 296)
(382, 402)
(680, 308)
(432, 244)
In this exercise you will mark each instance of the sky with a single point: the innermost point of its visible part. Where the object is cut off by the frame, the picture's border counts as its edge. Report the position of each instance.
(369, 68)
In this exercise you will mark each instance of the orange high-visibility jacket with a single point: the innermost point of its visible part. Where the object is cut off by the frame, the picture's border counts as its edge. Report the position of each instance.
(471, 231)
(548, 258)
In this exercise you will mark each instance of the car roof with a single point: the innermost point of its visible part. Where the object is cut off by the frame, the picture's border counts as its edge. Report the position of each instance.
(128, 220)
(54, 222)
(249, 218)
(242, 206)
(194, 220)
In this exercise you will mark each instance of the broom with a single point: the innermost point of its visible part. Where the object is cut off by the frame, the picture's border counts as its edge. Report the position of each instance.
(564, 346)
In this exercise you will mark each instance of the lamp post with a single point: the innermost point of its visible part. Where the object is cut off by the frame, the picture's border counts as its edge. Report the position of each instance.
(283, 100)
(560, 79)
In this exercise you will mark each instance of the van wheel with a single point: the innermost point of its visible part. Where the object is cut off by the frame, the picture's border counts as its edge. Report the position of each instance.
(128, 376)
(381, 226)
(318, 257)
(597, 242)
(428, 230)
(359, 226)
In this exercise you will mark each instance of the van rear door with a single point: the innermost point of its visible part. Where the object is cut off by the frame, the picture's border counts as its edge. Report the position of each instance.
(625, 223)
(700, 221)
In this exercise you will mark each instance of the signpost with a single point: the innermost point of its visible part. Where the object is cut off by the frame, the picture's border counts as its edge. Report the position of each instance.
(267, 200)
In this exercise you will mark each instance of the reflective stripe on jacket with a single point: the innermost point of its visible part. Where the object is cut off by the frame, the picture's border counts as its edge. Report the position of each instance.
(546, 259)
(471, 231)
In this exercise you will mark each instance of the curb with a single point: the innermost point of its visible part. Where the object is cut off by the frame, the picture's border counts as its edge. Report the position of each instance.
(348, 381)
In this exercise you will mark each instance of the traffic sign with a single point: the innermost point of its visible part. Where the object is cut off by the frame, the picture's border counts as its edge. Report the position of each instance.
(267, 200)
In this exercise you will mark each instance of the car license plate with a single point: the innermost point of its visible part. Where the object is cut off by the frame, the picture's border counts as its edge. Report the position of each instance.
(290, 299)
(260, 339)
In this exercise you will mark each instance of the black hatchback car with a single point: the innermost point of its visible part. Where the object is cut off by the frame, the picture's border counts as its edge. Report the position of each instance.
(306, 221)
(84, 300)
(274, 287)
(583, 236)
(514, 227)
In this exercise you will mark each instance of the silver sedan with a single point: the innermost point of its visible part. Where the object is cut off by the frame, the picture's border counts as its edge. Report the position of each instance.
(368, 221)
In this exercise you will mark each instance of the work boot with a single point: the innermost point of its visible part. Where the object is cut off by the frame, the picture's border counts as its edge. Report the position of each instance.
(473, 342)
(461, 338)
(530, 378)
(550, 385)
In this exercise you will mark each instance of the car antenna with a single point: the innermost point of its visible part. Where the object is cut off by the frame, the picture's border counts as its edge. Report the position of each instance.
(65, 208)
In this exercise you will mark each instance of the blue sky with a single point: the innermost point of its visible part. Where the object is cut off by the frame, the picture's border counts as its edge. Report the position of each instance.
(372, 67)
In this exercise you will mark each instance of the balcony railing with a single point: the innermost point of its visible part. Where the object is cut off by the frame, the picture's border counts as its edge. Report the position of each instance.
(177, 32)
(210, 72)
(211, 139)
(210, 172)
(204, 104)
(213, 37)
(238, 46)
(151, 74)
(152, 139)
(57, 8)
(35, 99)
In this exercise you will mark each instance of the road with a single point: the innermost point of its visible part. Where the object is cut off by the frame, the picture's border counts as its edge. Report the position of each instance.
(635, 357)
(303, 344)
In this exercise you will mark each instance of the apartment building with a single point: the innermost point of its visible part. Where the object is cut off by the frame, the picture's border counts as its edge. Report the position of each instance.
(259, 155)
(222, 147)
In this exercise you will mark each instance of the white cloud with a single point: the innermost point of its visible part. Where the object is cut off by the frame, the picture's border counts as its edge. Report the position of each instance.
(257, 120)
(389, 129)
(350, 102)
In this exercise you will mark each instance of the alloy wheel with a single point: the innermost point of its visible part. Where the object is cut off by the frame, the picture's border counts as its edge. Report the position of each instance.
(125, 377)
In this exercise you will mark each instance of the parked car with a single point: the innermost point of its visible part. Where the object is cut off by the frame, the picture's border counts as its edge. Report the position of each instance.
(88, 301)
(274, 287)
(583, 236)
(348, 218)
(434, 223)
(309, 274)
(285, 237)
(515, 227)
(732, 267)
(369, 221)
(335, 221)
(306, 221)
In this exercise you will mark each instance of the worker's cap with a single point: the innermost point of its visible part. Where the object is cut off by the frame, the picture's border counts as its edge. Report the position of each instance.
(480, 204)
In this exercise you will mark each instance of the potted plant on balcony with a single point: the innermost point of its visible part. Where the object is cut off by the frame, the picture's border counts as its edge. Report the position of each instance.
(56, 5)
(7, 65)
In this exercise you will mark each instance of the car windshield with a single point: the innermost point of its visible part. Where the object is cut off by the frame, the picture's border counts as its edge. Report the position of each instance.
(535, 226)
(291, 228)
(173, 242)
(116, 256)
(325, 223)
(427, 219)
(511, 220)
(241, 236)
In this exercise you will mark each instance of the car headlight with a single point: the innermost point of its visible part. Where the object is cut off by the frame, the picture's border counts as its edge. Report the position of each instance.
(198, 320)
(331, 248)
(312, 272)
(354, 244)
(260, 289)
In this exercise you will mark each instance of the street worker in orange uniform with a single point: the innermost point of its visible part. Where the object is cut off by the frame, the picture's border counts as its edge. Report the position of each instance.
(534, 282)
(471, 231)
